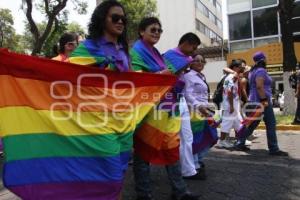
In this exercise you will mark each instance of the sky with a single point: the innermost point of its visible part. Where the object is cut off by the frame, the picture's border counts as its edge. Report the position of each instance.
(19, 16)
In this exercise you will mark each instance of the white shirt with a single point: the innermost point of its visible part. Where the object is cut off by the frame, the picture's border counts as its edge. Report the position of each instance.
(231, 85)
(195, 90)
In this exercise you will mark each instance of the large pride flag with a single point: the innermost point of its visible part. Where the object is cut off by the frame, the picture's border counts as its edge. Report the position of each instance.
(204, 130)
(157, 139)
(67, 129)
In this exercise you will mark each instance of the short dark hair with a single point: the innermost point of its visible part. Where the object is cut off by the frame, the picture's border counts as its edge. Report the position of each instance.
(63, 40)
(243, 61)
(235, 63)
(191, 38)
(96, 26)
(147, 21)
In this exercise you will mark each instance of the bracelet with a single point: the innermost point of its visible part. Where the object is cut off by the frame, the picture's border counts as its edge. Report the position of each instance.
(263, 99)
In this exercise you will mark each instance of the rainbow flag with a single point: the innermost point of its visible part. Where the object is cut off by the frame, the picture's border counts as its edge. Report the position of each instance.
(204, 132)
(176, 60)
(89, 53)
(68, 130)
(157, 140)
(146, 58)
(248, 120)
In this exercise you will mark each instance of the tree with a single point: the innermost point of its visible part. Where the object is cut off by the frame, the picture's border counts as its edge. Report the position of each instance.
(8, 37)
(136, 10)
(52, 10)
(285, 9)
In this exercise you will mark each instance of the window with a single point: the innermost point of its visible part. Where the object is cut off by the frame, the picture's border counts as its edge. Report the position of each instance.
(260, 3)
(219, 24)
(207, 31)
(212, 18)
(200, 26)
(296, 24)
(240, 46)
(261, 42)
(219, 8)
(202, 8)
(239, 26)
(296, 11)
(212, 35)
(265, 22)
(238, 5)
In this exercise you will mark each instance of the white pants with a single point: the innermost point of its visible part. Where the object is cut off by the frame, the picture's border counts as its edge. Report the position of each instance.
(231, 121)
(186, 141)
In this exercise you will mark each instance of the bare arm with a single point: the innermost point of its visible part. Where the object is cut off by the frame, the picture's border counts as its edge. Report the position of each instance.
(230, 99)
(244, 88)
(298, 90)
(261, 90)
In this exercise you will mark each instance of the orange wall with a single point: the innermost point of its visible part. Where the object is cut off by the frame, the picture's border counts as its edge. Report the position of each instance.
(273, 53)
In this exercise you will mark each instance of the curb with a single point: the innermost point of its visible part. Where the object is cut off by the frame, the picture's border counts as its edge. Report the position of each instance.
(282, 127)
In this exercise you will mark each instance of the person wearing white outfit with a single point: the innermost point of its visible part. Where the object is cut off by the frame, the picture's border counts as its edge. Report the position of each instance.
(196, 93)
(231, 116)
(186, 141)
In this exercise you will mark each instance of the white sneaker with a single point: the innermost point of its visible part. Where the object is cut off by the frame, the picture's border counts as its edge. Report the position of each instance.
(225, 144)
(248, 142)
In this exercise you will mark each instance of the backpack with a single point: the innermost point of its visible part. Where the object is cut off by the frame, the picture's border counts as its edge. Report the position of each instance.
(218, 94)
(293, 80)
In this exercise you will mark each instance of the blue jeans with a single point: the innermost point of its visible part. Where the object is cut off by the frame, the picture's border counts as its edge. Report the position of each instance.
(270, 121)
(141, 170)
(198, 157)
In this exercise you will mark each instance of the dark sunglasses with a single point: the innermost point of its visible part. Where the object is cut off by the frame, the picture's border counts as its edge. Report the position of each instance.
(115, 18)
(72, 43)
(199, 61)
(156, 30)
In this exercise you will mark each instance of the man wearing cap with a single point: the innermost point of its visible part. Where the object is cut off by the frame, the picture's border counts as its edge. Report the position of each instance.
(260, 96)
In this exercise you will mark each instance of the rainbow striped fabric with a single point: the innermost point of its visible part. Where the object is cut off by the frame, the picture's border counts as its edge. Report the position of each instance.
(157, 139)
(146, 59)
(204, 135)
(68, 130)
(176, 60)
(89, 53)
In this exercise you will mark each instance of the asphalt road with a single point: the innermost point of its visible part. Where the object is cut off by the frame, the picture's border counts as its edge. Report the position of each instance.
(234, 175)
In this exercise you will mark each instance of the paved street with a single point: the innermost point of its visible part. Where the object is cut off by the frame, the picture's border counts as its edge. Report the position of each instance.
(235, 175)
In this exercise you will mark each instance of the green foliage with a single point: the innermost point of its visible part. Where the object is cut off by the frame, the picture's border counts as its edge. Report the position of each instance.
(136, 10)
(47, 33)
(8, 37)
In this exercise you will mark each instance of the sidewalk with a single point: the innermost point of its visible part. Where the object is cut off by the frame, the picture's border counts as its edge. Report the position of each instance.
(281, 127)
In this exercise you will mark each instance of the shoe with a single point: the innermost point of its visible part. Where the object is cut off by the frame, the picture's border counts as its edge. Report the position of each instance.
(279, 153)
(240, 147)
(202, 164)
(200, 175)
(225, 144)
(187, 196)
(248, 142)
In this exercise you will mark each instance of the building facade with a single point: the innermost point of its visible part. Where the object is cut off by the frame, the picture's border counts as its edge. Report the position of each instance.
(253, 23)
(203, 17)
(254, 26)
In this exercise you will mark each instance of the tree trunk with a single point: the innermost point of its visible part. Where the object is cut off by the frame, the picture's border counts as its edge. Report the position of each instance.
(285, 9)
(289, 106)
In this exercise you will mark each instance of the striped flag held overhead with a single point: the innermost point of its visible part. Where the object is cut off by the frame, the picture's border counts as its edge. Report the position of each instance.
(67, 129)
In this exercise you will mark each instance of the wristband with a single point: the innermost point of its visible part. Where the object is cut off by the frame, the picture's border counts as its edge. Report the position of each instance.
(263, 99)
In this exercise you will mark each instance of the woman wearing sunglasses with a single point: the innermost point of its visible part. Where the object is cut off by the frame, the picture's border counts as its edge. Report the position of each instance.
(151, 140)
(67, 43)
(199, 135)
(106, 45)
